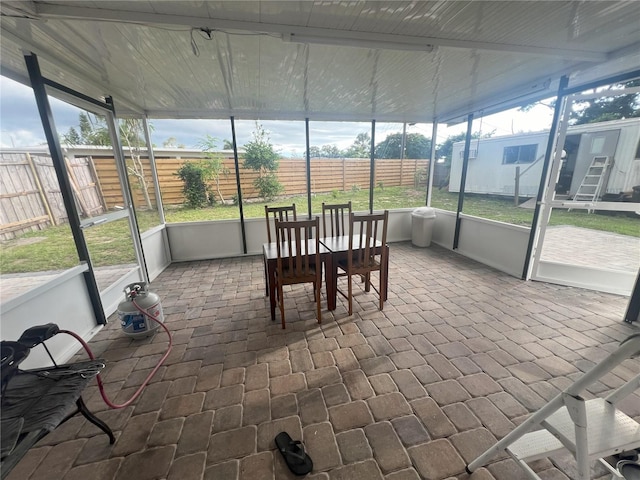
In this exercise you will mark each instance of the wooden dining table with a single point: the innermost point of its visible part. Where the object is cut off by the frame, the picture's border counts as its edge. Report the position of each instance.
(339, 249)
(270, 253)
(332, 250)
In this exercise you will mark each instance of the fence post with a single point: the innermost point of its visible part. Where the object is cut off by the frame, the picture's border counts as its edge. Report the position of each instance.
(344, 186)
(74, 186)
(516, 190)
(43, 196)
(96, 179)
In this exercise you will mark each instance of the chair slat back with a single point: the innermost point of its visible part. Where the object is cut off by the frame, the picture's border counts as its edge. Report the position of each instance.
(366, 231)
(335, 213)
(283, 214)
(298, 247)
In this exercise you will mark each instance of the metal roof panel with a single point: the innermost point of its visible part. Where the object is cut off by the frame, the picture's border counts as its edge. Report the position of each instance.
(486, 52)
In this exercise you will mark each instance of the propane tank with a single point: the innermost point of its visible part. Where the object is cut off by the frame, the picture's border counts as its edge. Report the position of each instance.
(134, 323)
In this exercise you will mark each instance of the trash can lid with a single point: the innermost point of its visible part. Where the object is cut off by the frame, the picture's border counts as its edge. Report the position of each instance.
(424, 212)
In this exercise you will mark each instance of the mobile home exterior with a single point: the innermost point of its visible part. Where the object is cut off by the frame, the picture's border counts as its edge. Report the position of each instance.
(493, 162)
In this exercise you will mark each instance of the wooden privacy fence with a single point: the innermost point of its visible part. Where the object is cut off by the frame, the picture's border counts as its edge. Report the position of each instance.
(30, 197)
(327, 174)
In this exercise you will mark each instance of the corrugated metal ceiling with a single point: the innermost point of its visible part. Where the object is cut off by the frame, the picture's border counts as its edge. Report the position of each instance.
(487, 54)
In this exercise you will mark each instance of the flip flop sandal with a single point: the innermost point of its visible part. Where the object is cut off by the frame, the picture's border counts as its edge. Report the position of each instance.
(293, 453)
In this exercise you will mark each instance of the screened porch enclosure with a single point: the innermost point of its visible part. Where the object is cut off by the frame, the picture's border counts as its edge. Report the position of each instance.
(310, 63)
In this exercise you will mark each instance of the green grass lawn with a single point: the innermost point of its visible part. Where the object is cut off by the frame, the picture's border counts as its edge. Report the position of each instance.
(504, 210)
(386, 198)
(110, 244)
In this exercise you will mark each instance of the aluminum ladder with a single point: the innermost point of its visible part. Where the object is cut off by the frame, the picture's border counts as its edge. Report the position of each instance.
(589, 429)
(590, 188)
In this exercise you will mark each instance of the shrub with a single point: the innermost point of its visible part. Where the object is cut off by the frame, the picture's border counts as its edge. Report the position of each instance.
(195, 176)
(420, 177)
(268, 186)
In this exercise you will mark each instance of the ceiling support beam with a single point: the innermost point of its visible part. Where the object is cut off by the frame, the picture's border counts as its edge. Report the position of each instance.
(69, 12)
(513, 97)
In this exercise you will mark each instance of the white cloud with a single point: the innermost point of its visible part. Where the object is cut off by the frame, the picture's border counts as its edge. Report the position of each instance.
(20, 138)
(19, 118)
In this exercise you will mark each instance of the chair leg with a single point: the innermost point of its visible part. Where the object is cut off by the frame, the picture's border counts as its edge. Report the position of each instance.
(318, 306)
(367, 282)
(350, 294)
(82, 408)
(281, 304)
(384, 279)
(266, 279)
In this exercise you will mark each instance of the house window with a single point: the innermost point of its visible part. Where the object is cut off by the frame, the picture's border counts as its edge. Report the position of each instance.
(473, 153)
(519, 154)
(597, 144)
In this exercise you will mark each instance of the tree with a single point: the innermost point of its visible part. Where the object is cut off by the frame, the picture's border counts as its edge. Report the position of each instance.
(72, 137)
(326, 151)
(314, 152)
(416, 146)
(95, 131)
(613, 107)
(361, 148)
(131, 134)
(214, 164)
(261, 157)
(172, 142)
(330, 151)
(227, 145)
(390, 147)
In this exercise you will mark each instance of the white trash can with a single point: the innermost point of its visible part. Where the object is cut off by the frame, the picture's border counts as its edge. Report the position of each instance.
(422, 220)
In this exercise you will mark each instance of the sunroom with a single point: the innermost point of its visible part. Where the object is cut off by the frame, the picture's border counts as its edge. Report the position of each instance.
(318, 65)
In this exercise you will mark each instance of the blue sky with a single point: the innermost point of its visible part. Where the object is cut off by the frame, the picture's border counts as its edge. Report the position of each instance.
(20, 126)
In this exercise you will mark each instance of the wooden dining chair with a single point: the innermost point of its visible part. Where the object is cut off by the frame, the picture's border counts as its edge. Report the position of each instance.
(282, 214)
(298, 247)
(335, 213)
(367, 253)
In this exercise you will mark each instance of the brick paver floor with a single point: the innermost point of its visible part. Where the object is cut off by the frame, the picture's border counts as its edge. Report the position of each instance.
(459, 356)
